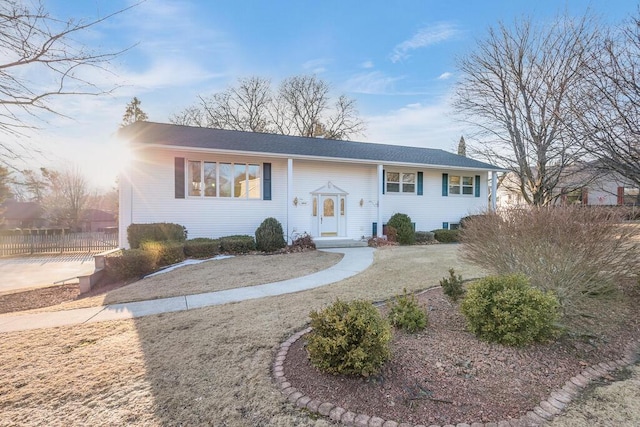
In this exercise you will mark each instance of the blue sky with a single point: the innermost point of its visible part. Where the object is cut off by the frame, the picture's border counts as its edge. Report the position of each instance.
(396, 58)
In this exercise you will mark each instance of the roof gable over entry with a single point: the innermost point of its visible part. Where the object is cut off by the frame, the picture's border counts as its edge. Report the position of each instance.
(185, 137)
(330, 188)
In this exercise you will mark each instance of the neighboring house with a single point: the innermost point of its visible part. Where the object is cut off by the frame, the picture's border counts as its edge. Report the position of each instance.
(97, 220)
(16, 214)
(221, 182)
(586, 186)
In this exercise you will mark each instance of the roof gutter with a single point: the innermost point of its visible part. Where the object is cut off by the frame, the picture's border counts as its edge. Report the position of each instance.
(315, 158)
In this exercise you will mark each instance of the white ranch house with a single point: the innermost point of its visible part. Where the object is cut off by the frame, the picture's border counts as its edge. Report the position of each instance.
(220, 182)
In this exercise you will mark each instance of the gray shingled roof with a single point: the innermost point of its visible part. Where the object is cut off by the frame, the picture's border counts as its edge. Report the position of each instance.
(196, 137)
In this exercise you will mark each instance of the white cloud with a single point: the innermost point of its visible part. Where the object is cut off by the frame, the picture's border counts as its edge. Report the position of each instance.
(445, 76)
(416, 124)
(374, 82)
(424, 37)
(367, 64)
(316, 66)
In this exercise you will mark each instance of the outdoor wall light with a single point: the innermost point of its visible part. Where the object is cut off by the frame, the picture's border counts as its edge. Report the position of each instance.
(361, 202)
(295, 201)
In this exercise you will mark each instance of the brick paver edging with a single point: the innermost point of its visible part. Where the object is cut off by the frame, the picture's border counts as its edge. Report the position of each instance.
(543, 412)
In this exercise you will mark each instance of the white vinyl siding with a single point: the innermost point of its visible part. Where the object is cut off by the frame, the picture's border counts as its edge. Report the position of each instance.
(147, 195)
(152, 198)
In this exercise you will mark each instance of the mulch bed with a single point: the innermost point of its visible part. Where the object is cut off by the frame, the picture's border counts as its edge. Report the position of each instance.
(50, 296)
(444, 375)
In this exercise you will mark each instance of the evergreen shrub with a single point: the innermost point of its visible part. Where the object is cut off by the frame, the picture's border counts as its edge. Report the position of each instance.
(405, 233)
(349, 338)
(164, 253)
(446, 236)
(201, 247)
(237, 244)
(423, 237)
(406, 314)
(452, 286)
(156, 232)
(129, 264)
(508, 310)
(269, 236)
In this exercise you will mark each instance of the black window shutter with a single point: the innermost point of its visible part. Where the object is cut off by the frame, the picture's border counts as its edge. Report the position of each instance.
(266, 181)
(420, 189)
(179, 177)
(445, 184)
(384, 180)
(477, 185)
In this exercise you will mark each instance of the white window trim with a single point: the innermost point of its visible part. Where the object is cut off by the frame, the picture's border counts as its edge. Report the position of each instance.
(400, 183)
(188, 183)
(461, 186)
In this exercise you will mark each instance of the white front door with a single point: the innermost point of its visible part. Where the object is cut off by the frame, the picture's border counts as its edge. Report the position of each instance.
(328, 216)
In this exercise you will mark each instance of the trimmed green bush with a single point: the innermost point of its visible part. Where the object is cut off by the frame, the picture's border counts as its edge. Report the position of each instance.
(405, 233)
(129, 264)
(350, 338)
(507, 310)
(156, 232)
(238, 244)
(406, 314)
(452, 287)
(269, 236)
(446, 236)
(423, 237)
(164, 253)
(201, 247)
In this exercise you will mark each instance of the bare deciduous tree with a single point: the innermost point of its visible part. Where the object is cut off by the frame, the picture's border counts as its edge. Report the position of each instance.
(67, 198)
(515, 90)
(301, 106)
(608, 111)
(34, 44)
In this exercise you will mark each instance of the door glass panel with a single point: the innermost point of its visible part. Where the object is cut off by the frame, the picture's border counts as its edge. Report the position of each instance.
(328, 207)
(315, 206)
(341, 207)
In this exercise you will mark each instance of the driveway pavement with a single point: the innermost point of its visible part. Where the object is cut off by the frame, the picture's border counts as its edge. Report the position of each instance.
(38, 271)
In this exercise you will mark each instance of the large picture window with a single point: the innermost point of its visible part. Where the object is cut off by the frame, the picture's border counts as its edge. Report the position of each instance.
(233, 180)
(399, 182)
(461, 185)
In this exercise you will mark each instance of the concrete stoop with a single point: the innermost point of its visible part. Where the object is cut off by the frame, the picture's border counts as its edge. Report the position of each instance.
(326, 243)
(90, 280)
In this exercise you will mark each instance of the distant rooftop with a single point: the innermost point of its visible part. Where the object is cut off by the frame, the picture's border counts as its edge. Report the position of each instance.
(292, 146)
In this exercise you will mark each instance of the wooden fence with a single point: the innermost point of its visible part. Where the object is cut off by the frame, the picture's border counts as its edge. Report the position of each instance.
(25, 244)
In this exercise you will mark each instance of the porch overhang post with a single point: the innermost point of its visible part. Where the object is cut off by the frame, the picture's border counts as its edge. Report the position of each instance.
(289, 199)
(379, 204)
(494, 190)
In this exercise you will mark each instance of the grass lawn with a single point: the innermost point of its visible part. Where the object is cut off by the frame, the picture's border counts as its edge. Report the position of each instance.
(209, 366)
(210, 276)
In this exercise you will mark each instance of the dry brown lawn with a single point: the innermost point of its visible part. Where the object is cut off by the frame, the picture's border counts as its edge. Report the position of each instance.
(202, 367)
(210, 276)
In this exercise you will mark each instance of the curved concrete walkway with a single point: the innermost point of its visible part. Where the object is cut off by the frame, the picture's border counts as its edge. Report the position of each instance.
(355, 260)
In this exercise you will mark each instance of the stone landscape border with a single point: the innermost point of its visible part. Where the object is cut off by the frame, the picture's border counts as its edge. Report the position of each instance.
(545, 411)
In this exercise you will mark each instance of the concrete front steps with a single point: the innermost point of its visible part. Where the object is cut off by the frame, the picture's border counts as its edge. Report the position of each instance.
(338, 242)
